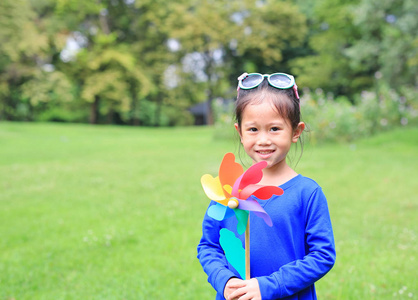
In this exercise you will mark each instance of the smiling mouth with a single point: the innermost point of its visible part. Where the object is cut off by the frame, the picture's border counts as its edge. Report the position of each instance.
(265, 152)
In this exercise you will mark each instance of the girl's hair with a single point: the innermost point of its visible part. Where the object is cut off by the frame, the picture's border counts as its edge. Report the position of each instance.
(284, 101)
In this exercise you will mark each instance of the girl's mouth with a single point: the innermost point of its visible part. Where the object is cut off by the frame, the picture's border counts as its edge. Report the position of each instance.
(265, 153)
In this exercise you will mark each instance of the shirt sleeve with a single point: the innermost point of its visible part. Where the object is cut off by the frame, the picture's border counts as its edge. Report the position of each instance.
(320, 258)
(212, 257)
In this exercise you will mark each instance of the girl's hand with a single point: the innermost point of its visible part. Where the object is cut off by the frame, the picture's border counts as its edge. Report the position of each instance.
(231, 286)
(243, 289)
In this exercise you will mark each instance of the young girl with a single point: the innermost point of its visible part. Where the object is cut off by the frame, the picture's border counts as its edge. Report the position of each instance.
(288, 258)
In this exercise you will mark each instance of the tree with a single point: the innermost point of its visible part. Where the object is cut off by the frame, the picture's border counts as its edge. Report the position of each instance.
(327, 66)
(23, 49)
(358, 41)
(108, 70)
(388, 43)
(111, 75)
(218, 39)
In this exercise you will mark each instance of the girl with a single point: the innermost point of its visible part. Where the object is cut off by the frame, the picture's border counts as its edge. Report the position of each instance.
(288, 258)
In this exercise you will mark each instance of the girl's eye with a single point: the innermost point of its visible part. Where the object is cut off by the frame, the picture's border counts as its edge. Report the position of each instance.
(253, 129)
(275, 129)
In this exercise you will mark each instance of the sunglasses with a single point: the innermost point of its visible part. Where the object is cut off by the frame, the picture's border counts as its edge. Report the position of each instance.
(278, 80)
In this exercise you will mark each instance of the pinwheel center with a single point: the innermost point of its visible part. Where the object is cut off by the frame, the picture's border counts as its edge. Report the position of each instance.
(233, 203)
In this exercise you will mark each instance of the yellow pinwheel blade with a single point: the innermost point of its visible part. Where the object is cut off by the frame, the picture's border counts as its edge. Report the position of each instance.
(212, 187)
(228, 189)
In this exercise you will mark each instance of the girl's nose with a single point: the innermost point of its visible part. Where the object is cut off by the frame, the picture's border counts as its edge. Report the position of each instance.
(263, 140)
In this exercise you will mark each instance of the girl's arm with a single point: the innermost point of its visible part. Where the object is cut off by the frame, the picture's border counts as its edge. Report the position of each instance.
(319, 242)
(211, 255)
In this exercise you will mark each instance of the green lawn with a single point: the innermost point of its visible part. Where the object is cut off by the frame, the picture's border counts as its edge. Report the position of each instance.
(112, 212)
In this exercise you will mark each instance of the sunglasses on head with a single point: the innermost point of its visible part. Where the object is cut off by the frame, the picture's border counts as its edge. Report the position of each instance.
(281, 81)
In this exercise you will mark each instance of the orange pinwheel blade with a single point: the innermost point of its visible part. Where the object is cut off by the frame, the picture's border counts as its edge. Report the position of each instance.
(229, 170)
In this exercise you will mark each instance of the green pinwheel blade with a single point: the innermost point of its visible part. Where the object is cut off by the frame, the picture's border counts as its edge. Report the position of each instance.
(242, 217)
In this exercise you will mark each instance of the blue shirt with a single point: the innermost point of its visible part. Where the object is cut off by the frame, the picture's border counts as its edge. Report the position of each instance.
(288, 258)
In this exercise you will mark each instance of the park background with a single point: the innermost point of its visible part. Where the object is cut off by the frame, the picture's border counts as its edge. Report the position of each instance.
(100, 165)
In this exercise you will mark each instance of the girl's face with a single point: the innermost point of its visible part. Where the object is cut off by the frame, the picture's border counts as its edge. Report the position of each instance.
(266, 135)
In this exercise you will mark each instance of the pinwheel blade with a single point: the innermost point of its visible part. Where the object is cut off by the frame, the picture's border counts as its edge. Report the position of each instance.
(242, 218)
(228, 190)
(212, 187)
(260, 191)
(234, 251)
(229, 170)
(252, 176)
(220, 212)
(254, 206)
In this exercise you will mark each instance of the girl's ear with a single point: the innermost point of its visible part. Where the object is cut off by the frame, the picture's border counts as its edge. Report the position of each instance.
(238, 129)
(298, 131)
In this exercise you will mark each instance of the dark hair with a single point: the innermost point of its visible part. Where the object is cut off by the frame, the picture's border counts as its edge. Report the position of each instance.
(284, 101)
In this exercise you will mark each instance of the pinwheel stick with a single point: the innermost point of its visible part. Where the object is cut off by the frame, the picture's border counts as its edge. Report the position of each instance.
(247, 251)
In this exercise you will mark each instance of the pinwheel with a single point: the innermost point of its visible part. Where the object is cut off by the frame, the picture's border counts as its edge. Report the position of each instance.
(234, 191)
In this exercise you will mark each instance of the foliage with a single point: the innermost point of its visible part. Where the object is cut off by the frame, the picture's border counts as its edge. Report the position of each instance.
(112, 78)
(387, 41)
(355, 41)
(224, 119)
(150, 116)
(63, 113)
(330, 118)
(328, 67)
(22, 46)
(86, 214)
(338, 119)
(267, 31)
(104, 58)
(214, 36)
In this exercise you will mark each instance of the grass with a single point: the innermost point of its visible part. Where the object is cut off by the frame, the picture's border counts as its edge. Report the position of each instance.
(112, 212)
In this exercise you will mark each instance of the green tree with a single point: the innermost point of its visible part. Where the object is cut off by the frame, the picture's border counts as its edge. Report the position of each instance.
(32, 37)
(355, 42)
(23, 49)
(327, 66)
(111, 76)
(388, 42)
(221, 39)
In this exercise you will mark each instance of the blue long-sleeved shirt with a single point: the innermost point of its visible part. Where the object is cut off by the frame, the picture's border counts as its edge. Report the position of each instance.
(287, 258)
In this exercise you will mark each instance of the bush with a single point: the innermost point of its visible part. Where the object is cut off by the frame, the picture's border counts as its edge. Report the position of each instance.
(338, 119)
(373, 111)
(223, 112)
(59, 114)
(167, 116)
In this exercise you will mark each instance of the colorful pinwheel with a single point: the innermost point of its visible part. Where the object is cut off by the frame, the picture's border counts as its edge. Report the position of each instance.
(233, 190)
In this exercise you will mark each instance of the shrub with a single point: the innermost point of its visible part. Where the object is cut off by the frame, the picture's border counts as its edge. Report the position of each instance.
(150, 115)
(223, 112)
(63, 115)
(372, 112)
(338, 119)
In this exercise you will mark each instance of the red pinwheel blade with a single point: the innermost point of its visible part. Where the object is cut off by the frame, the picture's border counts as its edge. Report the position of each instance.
(262, 192)
(252, 176)
(229, 170)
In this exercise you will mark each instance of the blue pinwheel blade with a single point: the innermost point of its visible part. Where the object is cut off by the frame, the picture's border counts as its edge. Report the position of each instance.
(220, 212)
(217, 211)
